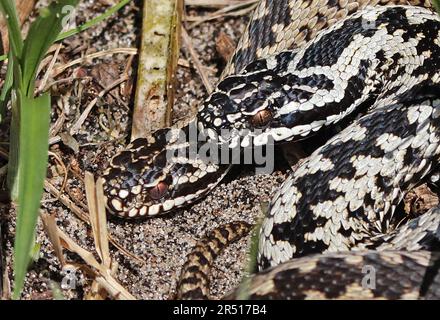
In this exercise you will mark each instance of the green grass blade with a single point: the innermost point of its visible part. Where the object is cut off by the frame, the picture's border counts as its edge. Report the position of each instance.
(34, 144)
(243, 289)
(6, 89)
(9, 11)
(41, 36)
(94, 21)
(14, 133)
(88, 24)
(436, 4)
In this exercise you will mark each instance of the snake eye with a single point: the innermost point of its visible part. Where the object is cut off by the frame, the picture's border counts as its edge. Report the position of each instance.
(158, 191)
(261, 118)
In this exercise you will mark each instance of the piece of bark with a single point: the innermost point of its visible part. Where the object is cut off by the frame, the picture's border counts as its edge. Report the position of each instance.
(419, 200)
(225, 46)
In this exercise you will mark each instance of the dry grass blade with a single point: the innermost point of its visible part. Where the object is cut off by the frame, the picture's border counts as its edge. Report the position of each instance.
(185, 63)
(6, 286)
(103, 274)
(85, 217)
(75, 127)
(98, 219)
(236, 9)
(87, 58)
(66, 201)
(2, 265)
(212, 3)
(89, 186)
(50, 68)
(195, 58)
(51, 228)
(158, 58)
(102, 223)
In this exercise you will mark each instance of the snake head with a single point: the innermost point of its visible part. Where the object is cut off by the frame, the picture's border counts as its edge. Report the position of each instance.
(158, 174)
(264, 101)
(239, 105)
(276, 99)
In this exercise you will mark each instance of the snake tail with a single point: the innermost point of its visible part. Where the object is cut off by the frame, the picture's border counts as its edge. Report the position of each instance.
(194, 279)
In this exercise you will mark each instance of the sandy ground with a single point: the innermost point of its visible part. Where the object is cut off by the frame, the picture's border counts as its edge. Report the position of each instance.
(162, 243)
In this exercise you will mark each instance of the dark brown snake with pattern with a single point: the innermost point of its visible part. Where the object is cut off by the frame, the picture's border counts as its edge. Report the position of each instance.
(343, 57)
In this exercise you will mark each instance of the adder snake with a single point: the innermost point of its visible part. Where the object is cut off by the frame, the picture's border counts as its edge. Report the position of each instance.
(302, 66)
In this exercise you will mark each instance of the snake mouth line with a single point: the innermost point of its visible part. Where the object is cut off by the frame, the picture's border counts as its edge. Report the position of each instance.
(124, 204)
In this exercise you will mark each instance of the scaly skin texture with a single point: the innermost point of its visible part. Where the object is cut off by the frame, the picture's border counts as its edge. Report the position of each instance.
(401, 268)
(377, 54)
(350, 275)
(275, 26)
(343, 196)
(194, 279)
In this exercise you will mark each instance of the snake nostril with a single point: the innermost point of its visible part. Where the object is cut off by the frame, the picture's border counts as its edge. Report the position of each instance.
(261, 118)
(158, 191)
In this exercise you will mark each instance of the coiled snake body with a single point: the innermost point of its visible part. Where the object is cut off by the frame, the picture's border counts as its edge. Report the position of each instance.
(344, 57)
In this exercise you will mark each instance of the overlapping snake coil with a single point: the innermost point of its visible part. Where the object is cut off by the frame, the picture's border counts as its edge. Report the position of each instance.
(300, 67)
